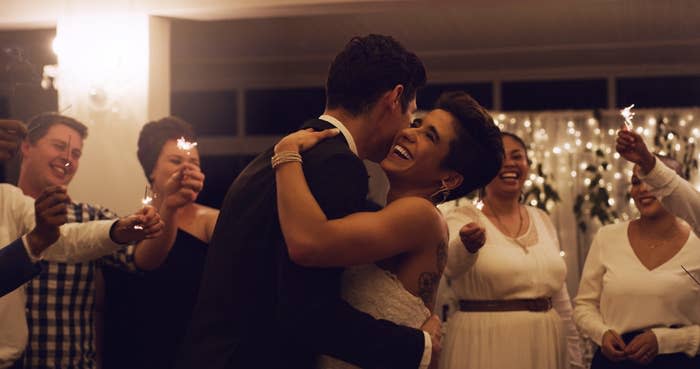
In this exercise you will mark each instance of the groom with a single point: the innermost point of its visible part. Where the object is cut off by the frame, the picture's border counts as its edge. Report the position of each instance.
(257, 308)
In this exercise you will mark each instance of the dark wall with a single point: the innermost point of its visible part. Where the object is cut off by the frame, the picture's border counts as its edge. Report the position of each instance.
(22, 57)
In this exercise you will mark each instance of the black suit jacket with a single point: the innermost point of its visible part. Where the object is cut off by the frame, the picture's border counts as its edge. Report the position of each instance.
(15, 267)
(257, 309)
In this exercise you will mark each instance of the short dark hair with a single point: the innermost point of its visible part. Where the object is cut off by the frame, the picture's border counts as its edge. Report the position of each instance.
(520, 142)
(477, 152)
(368, 67)
(153, 136)
(39, 124)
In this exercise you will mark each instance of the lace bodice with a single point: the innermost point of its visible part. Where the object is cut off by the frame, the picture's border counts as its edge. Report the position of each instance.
(380, 294)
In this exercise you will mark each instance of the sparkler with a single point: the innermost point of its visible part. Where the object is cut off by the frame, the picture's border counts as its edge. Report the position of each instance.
(691, 276)
(148, 196)
(68, 164)
(628, 114)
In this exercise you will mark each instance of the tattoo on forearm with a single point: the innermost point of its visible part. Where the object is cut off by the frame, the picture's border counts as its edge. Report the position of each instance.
(441, 256)
(427, 285)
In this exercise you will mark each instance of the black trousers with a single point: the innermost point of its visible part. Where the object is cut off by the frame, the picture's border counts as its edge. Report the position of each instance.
(666, 361)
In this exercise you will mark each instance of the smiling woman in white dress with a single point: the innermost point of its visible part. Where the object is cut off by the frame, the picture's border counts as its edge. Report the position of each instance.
(505, 270)
(397, 253)
(635, 300)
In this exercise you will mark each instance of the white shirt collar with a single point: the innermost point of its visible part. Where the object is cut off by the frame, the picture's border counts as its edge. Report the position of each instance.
(343, 130)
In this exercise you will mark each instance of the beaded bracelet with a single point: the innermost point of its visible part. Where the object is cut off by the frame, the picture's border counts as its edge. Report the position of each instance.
(285, 157)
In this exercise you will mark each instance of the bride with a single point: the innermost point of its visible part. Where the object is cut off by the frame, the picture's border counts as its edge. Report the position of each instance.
(395, 256)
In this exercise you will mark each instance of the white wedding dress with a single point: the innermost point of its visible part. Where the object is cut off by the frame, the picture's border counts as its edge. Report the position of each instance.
(380, 294)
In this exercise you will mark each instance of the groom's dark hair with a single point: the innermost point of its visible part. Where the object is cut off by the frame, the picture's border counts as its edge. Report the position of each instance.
(368, 67)
(477, 152)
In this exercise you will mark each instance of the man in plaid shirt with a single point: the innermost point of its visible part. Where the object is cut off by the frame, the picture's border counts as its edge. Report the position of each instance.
(60, 301)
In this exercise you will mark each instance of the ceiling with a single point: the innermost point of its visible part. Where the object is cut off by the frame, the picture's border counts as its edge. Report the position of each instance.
(226, 43)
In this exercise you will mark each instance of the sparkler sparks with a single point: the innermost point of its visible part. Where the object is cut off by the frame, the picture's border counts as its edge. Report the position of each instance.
(628, 114)
(185, 145)
(148, 196)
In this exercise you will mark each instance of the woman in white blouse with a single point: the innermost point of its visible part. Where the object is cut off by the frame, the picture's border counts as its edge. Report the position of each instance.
(505, 269)
(675, 193)
(635, 300)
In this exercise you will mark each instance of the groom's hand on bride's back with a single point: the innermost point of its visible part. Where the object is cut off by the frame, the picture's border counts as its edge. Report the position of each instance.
(433, 327)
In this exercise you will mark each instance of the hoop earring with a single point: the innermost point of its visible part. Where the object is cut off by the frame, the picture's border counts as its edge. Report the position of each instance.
(444, 191)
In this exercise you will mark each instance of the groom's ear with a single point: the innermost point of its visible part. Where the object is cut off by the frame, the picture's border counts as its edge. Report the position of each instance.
(453, 180)
(392, 98)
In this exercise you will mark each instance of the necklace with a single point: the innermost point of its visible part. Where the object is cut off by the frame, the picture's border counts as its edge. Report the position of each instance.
(520, 224)
(530, 237)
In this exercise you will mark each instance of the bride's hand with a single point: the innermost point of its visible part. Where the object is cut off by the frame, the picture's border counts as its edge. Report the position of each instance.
(304, 139)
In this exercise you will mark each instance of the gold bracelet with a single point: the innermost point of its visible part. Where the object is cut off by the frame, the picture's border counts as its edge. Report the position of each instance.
(285, 157)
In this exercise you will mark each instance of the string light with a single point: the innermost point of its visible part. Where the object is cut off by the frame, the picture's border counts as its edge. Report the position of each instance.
(591, 164)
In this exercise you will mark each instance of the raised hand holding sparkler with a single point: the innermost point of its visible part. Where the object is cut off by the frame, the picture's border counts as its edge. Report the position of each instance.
(148, 197)
(630, 145)
(628, 114)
